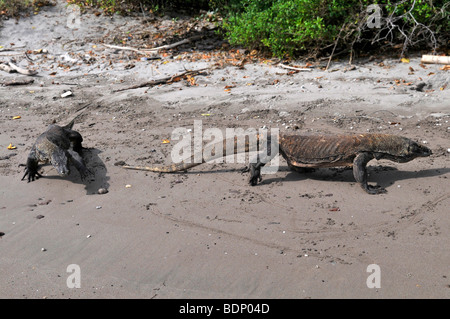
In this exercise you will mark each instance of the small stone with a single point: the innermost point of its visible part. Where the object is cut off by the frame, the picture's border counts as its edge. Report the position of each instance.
(102, 191)
(66, 94)
(43, 249)
(98, 207)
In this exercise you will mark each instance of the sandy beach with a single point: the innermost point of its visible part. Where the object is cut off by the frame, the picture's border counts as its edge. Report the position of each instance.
(206, 233)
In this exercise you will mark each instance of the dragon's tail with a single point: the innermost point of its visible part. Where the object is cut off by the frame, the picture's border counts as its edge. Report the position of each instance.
(70, 125)
(164, 169)
(248, 147)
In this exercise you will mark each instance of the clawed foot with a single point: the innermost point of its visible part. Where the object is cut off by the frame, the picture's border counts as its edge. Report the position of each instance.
(32, 175)
(255, 174)
(374, 190)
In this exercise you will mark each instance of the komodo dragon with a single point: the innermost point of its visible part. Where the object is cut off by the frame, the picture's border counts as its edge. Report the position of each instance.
(316, 151)
(59, 146)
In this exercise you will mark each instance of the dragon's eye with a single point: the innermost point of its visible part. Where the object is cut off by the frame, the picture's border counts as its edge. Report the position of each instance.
(414, 148)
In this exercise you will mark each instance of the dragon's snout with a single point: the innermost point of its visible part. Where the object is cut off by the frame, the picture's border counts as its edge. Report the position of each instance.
(425, 151)
(63, 170)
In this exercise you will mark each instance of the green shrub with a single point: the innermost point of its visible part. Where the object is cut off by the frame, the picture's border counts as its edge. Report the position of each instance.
(286, 27)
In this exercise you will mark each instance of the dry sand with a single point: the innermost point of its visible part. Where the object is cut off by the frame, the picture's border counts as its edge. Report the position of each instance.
(206, 233)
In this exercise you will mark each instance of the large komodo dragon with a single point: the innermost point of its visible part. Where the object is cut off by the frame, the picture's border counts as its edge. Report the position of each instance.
(59, 146)
(316, 151)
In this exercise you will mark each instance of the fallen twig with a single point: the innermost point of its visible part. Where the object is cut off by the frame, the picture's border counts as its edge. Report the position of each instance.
(173, 45)
(334, 48)
(166, 80)
(124, 48)
(293, 68)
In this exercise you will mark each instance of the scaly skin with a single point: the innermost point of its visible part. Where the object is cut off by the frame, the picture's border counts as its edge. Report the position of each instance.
(318, 151)
(57, 145)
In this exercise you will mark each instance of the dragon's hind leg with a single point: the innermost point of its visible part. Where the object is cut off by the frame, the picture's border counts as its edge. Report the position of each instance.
(261, 160)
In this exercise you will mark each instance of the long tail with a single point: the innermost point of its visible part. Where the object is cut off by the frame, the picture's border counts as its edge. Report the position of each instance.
(70, 125)
(249, 147)
(80, 111)
(164, 169)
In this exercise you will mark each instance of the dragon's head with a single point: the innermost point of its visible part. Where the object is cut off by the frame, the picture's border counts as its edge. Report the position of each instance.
(401, 149)
(413, 150)
(60, 162)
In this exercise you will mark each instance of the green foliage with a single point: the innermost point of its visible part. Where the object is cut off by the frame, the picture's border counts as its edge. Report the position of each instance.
(285, 27)
(281, 26)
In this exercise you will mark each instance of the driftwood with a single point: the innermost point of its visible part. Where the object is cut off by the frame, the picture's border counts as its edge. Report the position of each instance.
(157, 49)
(10, 67)
(293, 68)
(435, 59)
(17, 82)
(166, 80)
(21, 70)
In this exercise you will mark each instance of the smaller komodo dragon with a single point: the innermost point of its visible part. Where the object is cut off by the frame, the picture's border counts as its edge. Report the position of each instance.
(303, 152)
(58, 145)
